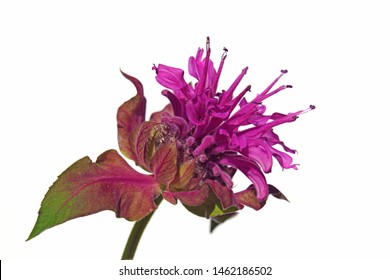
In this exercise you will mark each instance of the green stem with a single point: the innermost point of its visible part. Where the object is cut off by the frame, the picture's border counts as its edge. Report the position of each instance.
(136, 234)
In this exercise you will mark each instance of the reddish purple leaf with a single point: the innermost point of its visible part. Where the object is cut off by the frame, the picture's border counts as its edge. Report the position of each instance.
(86, 188)
(138, 140)
(248, 198)
(130, 114)
(224, 194)
(276, 193)
(184, 175)
(157, 116)
(163, 163)
(191, 198)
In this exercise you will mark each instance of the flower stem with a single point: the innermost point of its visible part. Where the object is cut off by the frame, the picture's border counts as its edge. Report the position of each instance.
(136, 234)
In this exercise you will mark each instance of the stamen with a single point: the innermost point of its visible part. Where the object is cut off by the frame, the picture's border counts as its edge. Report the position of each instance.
(227, 96)
(311, 107)
(255, 131)
(207, 43)
(224, 55)
(273, 83)
(216, 78)
(155, 68)
(202, 82)
(260, 97)
(238, 98)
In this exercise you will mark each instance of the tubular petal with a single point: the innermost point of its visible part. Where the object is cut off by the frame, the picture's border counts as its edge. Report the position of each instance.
(251, 170)
(170, 77)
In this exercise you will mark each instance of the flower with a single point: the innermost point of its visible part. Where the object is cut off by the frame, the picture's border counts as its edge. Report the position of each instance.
(204, 141)
(192, 149)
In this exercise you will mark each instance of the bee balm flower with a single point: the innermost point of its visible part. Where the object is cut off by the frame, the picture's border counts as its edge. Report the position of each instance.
(204, 141)
(192, 149)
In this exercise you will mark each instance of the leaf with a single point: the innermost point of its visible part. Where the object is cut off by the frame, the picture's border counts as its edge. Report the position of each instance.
(210, 206)
(86, 188)
(276, 193)
(130, 114)
(218, 220)
(184, 175)
(157, 116)
(156, 138)
(248, 198)
(224, 194)
(191, 198)
(139, 139)
(163, 163)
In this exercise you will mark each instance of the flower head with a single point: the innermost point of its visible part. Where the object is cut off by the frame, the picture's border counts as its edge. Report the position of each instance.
(192, 148)
(195, 145)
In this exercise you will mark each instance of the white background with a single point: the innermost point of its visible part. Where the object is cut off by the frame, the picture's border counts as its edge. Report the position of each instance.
(60, 88)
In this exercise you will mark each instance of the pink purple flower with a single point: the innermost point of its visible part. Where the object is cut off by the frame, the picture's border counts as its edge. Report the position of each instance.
(192, 149)
(213, 134)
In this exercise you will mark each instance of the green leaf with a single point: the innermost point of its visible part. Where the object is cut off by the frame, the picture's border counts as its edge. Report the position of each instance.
(86, 188)
(218, 220)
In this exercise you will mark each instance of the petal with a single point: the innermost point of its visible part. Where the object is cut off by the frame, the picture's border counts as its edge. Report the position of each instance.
(178, 122)
(177, 105)
(228, 95)
(193, 116)
(193, 65)
(203, 70)
(207, 141)
(273, 139)
(284, 159)
(251, 170)
(170, 77)
(261, 154)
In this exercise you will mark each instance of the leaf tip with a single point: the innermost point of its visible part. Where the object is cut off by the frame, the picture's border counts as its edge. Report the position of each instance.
(277, 193)
(218, 220)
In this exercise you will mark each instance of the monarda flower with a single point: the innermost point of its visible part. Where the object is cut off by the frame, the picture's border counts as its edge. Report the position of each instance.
(192, 149)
